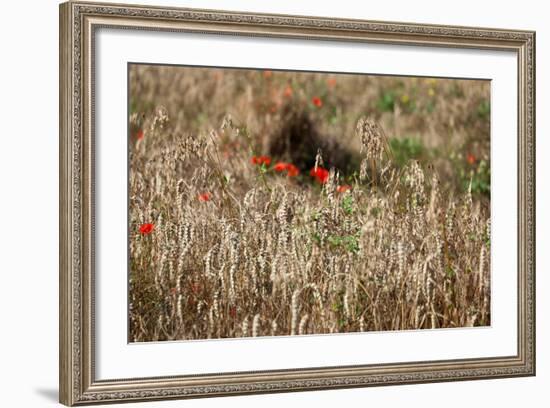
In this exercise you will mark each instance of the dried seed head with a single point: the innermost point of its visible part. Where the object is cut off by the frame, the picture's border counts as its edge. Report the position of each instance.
(362, 324)
(244, 327)
(256, 325)
(414, 177)
(303, 323)
(371, 137)
(227, 122)
(160, 119)
(294, 311)
(318, 159)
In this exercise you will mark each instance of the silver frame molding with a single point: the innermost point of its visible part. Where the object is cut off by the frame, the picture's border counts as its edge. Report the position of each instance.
(78, 22)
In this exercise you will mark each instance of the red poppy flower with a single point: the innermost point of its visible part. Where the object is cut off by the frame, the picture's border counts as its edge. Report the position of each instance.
(320, 174)
(140, 134)
(204, 197)
(233, 311)
(292, 170)
(146, 229)
(280, 166)
(343, 188)
(331, 82)
(261, 160)
(268, 74)
(471, 159)
(317, 101)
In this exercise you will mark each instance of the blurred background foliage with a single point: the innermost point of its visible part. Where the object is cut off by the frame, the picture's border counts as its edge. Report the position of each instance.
(443, 123)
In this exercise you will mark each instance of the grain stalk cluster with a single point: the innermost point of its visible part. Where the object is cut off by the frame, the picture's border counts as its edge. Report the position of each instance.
(264, 255)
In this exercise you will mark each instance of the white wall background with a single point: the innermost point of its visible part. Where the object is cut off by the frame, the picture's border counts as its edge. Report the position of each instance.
(29, 194)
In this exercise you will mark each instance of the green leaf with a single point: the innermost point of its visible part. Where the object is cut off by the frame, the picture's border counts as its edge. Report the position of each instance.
(347, 204)
(484, 109)
(386, 102)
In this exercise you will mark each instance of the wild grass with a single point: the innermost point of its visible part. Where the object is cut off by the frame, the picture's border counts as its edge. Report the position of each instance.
(258, 210)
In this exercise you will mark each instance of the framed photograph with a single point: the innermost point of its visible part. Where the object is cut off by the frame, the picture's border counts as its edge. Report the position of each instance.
(256, 203)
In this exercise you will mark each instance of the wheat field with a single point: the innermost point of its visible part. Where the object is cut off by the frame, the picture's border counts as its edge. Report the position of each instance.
(267, 203)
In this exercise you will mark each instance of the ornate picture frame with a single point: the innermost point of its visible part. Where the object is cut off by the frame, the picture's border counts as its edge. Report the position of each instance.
(79, 22)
